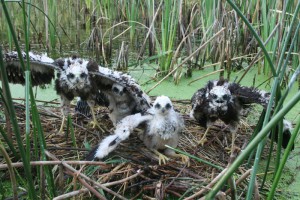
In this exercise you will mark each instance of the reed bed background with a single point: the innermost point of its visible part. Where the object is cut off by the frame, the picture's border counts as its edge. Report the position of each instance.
(179, 37)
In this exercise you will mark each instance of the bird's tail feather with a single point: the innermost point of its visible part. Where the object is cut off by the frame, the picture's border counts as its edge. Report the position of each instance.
(91, 155)
(83, 108)
(122, 132)
(286, 134)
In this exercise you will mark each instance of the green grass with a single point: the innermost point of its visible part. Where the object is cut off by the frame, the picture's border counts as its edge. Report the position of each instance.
(178, 29)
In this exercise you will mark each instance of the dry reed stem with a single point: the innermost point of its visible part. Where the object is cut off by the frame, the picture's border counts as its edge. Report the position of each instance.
(149, 31)
(186, 59)
(11, 172)
(70, 168)
(134, 156)
(71, 194)
(208, 186)
(139, 172)
(255, 59)
(42, 163)
(242, 178)
(91, 189)
(201, 77)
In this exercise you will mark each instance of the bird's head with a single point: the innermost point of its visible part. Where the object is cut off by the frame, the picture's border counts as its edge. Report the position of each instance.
(118, 89)
(76, 72)
(162, 105)
(219, 96)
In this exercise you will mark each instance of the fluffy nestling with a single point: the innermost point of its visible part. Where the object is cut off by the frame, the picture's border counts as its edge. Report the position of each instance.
(164, 128)
(73, 81)
(226, 101)
(77, 77)
(121, 104)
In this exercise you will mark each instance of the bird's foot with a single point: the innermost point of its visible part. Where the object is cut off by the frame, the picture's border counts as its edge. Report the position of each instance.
(95, 124)
(232, 150)
(161, 157)
(184, 159)
(202, 141)
(61, 129)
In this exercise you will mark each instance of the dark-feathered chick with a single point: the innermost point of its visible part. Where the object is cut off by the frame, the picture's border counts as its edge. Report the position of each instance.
(227, 101)
(77, 77)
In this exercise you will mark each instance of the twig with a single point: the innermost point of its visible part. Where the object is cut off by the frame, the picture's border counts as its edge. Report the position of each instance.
(55, 115)
(220, 70)
(84, 176)
(112, 172)
(255, 58)
(11, 172)
(173, 179)
(45, 112)
(243, 177)
(71, 194)
(40, 163)
(94, 182)
(185, 60)
(123, 180)
(93, 190)
(208, 186)
(67, 148)
(42, 101)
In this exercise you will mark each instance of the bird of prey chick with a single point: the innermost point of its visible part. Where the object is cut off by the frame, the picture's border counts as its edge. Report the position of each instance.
(163, 126)
(121, 104)
(225, 101)
(82, 78)
(72, 81)
(163, 129)
(118, 100)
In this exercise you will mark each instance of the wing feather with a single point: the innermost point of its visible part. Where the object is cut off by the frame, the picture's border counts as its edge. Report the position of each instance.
(248, 95)
(104, 78)
(41, 66)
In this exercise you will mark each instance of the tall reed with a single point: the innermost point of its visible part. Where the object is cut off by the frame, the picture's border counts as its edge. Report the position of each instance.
(168, 28)
(277, 114)
(30, 103)
(175, 29)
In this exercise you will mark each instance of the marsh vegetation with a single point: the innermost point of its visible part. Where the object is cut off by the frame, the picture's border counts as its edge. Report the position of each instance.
(177, 42)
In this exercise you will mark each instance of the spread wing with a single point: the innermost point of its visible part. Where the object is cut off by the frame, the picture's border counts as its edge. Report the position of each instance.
(103, 79)
(249, 95)
(42, 68)
(199, 104)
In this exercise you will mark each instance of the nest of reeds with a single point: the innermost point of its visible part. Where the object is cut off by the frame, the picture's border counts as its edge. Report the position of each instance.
(132, 171)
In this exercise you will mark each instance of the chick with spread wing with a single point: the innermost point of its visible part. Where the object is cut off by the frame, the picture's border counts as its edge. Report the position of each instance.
(77, 77)
(162, 126)
(220, 99)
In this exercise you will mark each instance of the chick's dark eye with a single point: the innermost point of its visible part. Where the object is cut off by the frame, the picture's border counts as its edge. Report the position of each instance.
(157, 106)
(225, 97)
(116, 90)
(70, 76)
(168, 106)
(83, 75)
(214, 96)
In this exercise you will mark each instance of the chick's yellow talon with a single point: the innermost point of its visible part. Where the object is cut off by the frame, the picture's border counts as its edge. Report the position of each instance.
(202, 141)
(161, 157)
